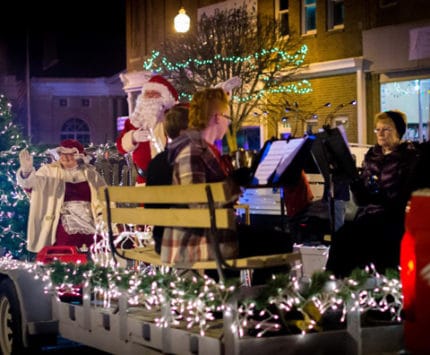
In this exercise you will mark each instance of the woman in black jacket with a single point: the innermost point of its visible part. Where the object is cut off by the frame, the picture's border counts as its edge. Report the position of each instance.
(381, 193)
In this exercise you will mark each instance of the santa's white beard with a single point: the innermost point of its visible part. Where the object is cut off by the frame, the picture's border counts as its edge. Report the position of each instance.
(147, 113)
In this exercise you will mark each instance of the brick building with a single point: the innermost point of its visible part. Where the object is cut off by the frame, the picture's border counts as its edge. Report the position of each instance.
(85, 109)
(82, 108)
(370, 51)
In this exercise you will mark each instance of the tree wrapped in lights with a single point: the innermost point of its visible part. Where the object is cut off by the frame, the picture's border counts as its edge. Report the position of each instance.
(233, 43)
(13, 201)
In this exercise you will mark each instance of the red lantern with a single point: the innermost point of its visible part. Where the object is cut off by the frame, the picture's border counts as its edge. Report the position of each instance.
(415, 254)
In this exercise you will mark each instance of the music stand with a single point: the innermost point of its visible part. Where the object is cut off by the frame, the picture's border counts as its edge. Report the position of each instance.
(285, 167)
(335, 162)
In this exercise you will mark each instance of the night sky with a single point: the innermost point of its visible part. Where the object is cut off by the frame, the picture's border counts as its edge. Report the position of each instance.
(67, 38)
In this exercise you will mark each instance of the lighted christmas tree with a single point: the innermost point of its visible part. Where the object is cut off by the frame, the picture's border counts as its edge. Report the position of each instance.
(234, 43)
(13, 201)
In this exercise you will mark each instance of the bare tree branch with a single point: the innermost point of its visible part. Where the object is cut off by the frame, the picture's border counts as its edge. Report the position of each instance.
(233, 43)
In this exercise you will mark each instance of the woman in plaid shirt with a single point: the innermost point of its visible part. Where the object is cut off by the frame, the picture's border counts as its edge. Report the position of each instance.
(195, 159)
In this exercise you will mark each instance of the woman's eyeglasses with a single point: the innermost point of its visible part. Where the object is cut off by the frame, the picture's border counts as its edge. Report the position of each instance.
(382, 130)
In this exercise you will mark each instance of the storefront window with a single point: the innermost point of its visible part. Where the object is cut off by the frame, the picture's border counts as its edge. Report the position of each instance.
(411, 97)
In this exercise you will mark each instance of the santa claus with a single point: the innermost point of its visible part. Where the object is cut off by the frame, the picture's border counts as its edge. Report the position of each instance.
(143, 134)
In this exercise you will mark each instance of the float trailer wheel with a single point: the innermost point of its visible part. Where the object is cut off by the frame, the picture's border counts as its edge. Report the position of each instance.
(10, 320)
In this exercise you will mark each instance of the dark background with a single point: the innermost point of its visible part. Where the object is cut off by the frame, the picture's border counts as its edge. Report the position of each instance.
(66, 38)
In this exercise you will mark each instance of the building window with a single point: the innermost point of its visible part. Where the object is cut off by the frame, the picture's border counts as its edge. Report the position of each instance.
(63, 102)
(335, 14)
(283, 17)
(248, 138)
(309, 9)
(76, 128)
(340, 121)
(412, 97)
(85, 103)
(311, 126)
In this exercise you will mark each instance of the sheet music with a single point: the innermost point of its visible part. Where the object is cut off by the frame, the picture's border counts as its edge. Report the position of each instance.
(281, 153)
(270, 162)
(290, 151)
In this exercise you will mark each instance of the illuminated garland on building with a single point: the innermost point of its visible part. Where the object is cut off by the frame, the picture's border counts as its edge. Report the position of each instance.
(296, 59)
(159, 64)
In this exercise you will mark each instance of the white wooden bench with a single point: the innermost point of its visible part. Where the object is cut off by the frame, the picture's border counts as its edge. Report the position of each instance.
(207, 205)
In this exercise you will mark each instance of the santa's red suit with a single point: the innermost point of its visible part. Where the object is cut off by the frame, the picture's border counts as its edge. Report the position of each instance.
(157, 96)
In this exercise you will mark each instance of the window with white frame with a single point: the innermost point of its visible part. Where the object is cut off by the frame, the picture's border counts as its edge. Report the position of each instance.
(340, 121)
(311, 126)
(335, 14)
(309, 23)
(282, 9)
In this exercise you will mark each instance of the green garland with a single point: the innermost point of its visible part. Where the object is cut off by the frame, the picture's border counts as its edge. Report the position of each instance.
(283, 305)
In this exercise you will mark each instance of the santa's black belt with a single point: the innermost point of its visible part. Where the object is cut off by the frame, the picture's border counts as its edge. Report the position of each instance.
(141, 172)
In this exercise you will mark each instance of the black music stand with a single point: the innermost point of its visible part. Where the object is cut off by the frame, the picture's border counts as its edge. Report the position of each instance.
(335, 162)
(284, 173)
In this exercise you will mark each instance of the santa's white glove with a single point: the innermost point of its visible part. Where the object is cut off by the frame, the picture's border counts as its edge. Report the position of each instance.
(141, 135)
(25, 161)
(425, 273)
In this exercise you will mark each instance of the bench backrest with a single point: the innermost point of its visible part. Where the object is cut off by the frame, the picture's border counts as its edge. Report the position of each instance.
(171, 205)
(208, 205)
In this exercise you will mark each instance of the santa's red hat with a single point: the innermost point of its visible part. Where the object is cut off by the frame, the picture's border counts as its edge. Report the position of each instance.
(163, 86)
(70, 146)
